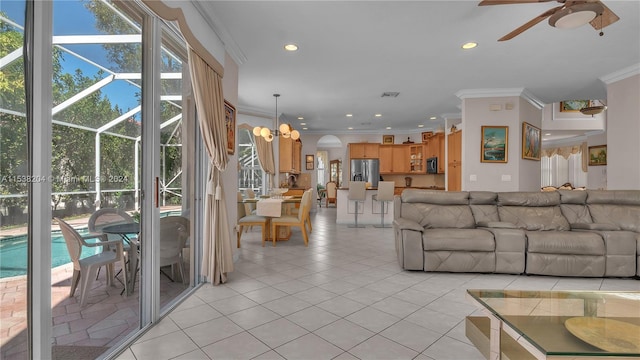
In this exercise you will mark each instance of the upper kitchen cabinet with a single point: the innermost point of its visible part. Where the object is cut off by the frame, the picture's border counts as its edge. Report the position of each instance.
(363, 150)
(290, 155)
(394, 159)
(435, 148)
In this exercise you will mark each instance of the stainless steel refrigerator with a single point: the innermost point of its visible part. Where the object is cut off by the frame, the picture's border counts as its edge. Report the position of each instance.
(365, 170)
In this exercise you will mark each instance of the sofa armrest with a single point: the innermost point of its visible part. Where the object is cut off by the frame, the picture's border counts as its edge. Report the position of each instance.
(497, 224)
(406, 224)
(594, 226)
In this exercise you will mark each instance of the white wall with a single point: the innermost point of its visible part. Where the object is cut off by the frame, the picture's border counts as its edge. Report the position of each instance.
(623, 134)
(524, 174)
(597, 175)
(529, 170)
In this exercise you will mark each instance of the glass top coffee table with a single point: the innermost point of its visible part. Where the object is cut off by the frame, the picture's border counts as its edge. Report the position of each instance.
(523, 324)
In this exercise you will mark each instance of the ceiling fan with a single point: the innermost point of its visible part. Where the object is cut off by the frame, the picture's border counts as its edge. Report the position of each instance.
(568, 15)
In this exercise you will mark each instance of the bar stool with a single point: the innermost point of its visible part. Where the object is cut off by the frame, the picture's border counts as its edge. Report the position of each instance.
(385, 193)
(357, 192)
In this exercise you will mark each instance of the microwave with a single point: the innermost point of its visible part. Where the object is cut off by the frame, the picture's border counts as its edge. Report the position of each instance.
(432, 165)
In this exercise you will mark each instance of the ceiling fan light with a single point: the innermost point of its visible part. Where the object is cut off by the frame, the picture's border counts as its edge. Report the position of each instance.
(575, 16)
(593, 110)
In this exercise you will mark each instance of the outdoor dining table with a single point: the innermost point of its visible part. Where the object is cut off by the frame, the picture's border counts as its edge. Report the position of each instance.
(124, 230)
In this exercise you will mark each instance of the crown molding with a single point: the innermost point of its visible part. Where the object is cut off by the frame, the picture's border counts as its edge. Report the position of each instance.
(488, 93)
(215, 24)
(621, 74)
(250, 111)
(449, 116)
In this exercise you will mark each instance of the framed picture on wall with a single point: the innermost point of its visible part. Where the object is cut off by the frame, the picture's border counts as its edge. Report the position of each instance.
(598, 155)
(494, 144)
(531, 142)
(387, 139)
(309, 162)
(230, 124)
(573, 105)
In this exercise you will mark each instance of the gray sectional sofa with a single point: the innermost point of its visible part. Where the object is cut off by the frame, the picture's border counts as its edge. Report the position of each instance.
(562, 233)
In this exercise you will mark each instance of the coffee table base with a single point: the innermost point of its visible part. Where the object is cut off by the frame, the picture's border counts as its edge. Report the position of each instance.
(478, 330)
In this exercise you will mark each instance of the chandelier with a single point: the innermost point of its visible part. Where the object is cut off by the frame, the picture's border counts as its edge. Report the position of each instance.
(285, 130)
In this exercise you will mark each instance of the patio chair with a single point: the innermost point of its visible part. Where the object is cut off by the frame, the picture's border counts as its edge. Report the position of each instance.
(109, 216)
(174, 232)
(84, 270)
(289, 220)
(332, 193)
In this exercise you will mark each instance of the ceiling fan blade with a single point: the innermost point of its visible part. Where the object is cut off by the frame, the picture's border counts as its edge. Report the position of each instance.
(505, 2)
(607, 18)
(530, 24)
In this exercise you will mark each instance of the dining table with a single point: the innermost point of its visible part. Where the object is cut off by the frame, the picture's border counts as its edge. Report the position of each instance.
(273, 207)
(126, 231)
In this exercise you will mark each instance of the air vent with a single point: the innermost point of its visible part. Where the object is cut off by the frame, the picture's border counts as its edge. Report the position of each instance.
(390, 94)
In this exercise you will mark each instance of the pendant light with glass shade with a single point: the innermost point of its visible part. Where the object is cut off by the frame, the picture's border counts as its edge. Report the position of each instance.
(285, 130)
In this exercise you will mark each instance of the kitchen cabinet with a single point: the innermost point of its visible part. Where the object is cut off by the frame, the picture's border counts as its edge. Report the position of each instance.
(290, 155)
(454, 166)
(435, 148)
(363, 150)
(417, 160)
(394, 159)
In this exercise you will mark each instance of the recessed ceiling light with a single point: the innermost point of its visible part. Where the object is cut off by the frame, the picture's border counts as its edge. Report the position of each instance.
(432, 118)
(305, 128)
(547, 134)
(303, 124)
(350, 128)
(388, 127)
(291, 47)
(469, 45)
(378, 115)
(300, 118)
(349, 115)
(420, 125)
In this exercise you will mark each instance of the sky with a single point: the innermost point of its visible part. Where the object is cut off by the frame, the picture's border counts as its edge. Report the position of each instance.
(72, 18)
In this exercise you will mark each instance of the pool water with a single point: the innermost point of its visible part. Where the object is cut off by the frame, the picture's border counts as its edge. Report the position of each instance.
(13, 253)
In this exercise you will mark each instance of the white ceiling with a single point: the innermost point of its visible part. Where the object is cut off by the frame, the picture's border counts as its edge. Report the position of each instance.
(350, 52)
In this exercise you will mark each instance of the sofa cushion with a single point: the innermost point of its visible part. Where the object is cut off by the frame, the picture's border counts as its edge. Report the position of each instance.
(576, 214)
(534, 218)
(483, 198)
(485, 213)
(572, 197)
(458, 240)
(435, 197)
(529, 199)
(623, 216)
(440, 216)
(618, 197)
(565, 242)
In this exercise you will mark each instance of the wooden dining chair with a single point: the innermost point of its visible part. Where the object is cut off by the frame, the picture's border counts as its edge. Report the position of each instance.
(297, 221)
(247, 220)
(332, 193)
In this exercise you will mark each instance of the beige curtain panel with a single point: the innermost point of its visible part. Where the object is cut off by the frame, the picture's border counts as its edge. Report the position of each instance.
(265, 157)
(217, 259)
(566, 151)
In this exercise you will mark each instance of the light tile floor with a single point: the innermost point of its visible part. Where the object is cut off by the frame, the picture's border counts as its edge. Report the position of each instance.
(343, 297)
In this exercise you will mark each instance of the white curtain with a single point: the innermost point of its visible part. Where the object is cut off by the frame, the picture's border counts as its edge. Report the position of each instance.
(557, 170)
(217, 259)
(265, 157)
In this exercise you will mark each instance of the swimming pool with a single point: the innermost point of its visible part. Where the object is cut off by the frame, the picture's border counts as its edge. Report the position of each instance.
(13, 251)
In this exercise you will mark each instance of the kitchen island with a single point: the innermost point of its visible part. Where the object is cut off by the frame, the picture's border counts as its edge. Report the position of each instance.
(368, 210)
(369, 214)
